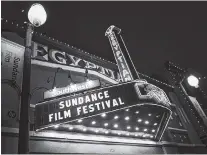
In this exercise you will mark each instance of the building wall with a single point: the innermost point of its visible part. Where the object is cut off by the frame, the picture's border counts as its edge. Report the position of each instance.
(42, 78)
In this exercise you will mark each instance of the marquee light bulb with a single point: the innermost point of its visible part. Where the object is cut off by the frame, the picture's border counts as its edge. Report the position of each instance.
(106, 124)
(115, 125)
(116, 117)
(136, 128)
(145, 130)
(149, 114)
(151, 136)
(94, 122)
(139, 120)
(127, 118)
(155, 124)
(96, 131)
(106, 132)
(71, 128)
(128, 127)
(103, 115)
(146, 122)
(193, 81)
(56, 126)
(153, 130)
(137, 112)
(84, 129)
(127, 110)
(80, 120)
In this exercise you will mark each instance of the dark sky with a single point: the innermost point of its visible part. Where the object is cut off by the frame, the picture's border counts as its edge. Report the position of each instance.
(154, 32)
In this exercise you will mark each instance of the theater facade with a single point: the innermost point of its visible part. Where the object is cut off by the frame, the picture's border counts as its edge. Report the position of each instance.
(67, 81)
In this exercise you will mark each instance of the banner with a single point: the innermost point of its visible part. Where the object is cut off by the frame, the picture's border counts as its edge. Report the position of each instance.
(72, 88)
(70, 108)
(12, 57)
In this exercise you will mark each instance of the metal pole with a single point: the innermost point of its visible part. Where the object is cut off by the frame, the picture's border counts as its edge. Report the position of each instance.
(23, 143)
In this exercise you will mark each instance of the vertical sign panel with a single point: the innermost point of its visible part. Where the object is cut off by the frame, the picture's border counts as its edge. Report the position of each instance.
(118, 54)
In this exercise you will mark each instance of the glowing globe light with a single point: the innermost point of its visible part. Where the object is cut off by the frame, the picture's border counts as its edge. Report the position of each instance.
(37, 15)
(193, 81)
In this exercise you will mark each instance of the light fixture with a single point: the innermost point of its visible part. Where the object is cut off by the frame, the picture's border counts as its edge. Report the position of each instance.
(127, 110)
(149, 114)
(103, 115)
(193, 81)
(151, 136)
(115, 125)
(56, 126)
(153, 130)
(116, 117)
(139, 120)
(80, 120)
(127, 134)
(128, 127)
(155, 124)
(96, 131)
(136, 128)
(71, 128)
(106, 124)
(137, 112)
(94, 122)
(84, 129)
(127, 118)
(106, 132)
(119, 133)
(136, 135)
(37, 15)
(146, 122)
(145, 130)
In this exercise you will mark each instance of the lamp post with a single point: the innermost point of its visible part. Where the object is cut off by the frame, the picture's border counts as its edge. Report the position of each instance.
(37, 17)
(193, 81)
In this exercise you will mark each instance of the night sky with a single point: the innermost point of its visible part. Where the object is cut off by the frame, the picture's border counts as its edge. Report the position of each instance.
(154, 32)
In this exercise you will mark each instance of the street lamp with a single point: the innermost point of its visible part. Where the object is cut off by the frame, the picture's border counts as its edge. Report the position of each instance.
(193, 81)
(37, 17)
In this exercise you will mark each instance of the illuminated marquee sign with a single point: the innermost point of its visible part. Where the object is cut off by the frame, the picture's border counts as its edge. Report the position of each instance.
(125, 72)
(108, 99)
(73, 88)
(44, 53)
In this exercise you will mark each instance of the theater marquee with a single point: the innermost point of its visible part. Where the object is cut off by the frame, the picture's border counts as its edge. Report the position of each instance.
(108, 99)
